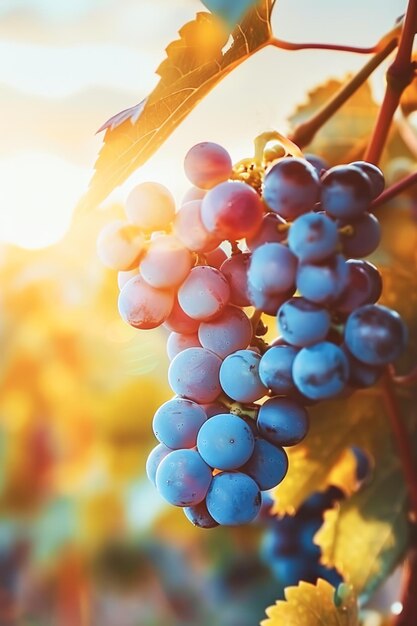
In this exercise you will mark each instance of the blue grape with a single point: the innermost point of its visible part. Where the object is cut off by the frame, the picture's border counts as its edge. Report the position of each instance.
(207, 164)
(375, 334)
(230, 331)
(289, 569)
(313, 237)
(269, 232)
(233, 499)
(283, 422)
(319, 164)
(143, 306)
(204, 293)
(183, 478)
(177, 343)
(236, 271)
(321, 371)
(194, 374)
(177, 423)
(189, 229)
(179, 322)
(346, 192)
(268, 303)
(291, 188)
(232, 210)
(239, 376)
(225, 442)
(365, 238)
(374, 174)
(155, 457)
(362, 375)
(364, 286)
(303, 323)
(267, 466)
(199, 516)
(272, 269)
(323, 283)
(275, 369)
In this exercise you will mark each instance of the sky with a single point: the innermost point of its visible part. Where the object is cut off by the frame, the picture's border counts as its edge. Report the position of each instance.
(68, 65)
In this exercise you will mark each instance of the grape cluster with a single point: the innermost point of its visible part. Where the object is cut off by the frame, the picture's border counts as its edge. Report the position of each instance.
(295, 245)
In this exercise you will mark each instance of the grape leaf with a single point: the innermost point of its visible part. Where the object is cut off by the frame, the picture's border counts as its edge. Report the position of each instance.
(314, 605)
(372, 523)
(195, 63)
(231, 11)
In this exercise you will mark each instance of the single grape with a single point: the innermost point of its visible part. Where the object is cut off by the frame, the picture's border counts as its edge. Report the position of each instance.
(179, 322)
(207, 164)
(150, 206)
(143, 306)
(199, 516)
(214, 408)
(313, 237)
(194, 374)
(204, 293)
(239, 376)
(189, 229)
(303, 323)
(193, 193)
(291, 187)
(124, 277)
(120, 246)
(177, 422)
(268, 303)
(216, 258)
(232, 210)
(365, 237)
(363, 463)
(267, 466)
(362, 375)
(374, 174)
(272, 230)
(282, 421)
(183, 478)
(166, 262)
(275, 369)
(319, 164)
(364, 286)
(321, 371)
(155, 457)
(233, 499)
(272, 269)
(177, 343)
(236, 271)
(322, 283)
(375, 334)
(225, 442)
(346, 192)
(230, 331)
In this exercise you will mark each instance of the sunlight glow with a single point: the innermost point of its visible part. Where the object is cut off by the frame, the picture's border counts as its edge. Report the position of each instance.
(38, 192)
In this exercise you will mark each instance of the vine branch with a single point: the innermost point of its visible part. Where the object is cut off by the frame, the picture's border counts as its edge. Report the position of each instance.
(288, 45)
(395, 190)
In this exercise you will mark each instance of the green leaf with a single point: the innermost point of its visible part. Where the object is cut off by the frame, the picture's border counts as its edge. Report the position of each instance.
(365, 536)
(314, 605)
(194, 65)
(231, 11)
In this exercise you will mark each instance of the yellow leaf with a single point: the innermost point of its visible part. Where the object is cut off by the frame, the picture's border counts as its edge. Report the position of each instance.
(194, 65)
(314, 605)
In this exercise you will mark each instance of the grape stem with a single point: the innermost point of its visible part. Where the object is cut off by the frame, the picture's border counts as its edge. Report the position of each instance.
(288, 45)
(408, 380)
(304, 133)
(395, 190)
(402, 438)
(255, 319)
(399, 75)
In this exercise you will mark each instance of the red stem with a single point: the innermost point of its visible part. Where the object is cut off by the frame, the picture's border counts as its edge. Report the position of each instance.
(395, 190)
(288, 45)
(402, 439)
(399, 75)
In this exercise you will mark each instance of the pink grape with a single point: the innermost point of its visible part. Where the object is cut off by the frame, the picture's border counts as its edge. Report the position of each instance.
(178, 321)
(166, 263)
(216, 258)
(204, 293)
(143, 306)
(189, 229)
(236, 271)
(207, 164)
(150, 206)
(120, 245)
(194, 193)
(176, 343)
(124, 277)
(194, 374)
